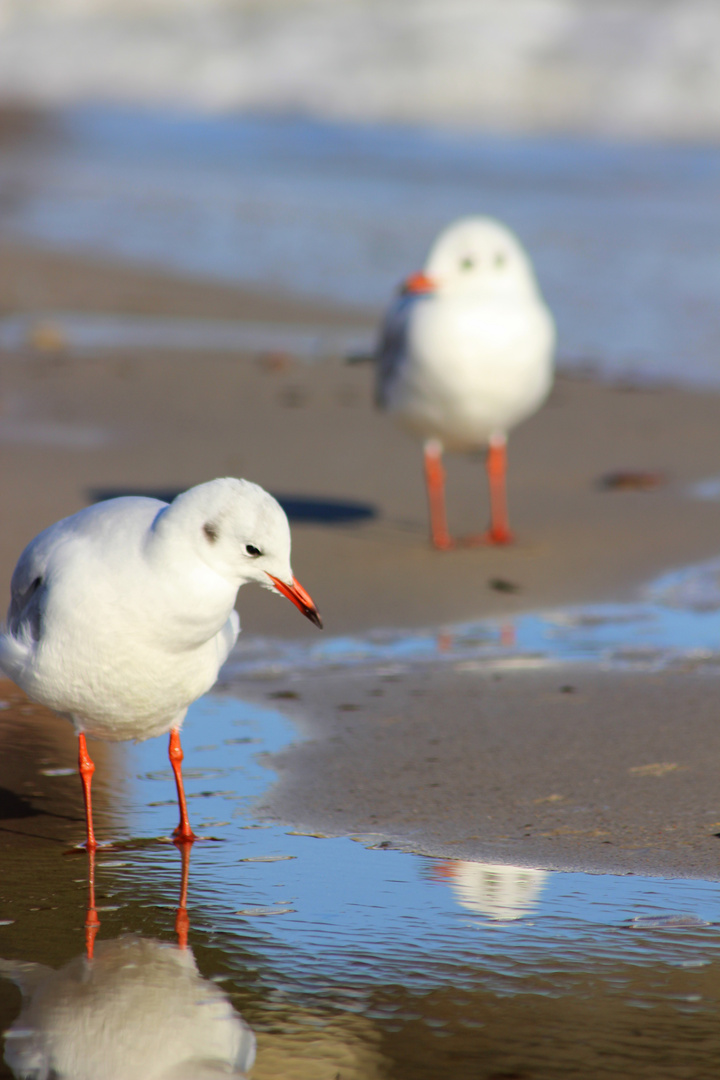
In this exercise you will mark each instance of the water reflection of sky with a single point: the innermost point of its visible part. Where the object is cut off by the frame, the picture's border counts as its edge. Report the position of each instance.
(330, 948)
(344, 892)
(675, 622)
(325, 899)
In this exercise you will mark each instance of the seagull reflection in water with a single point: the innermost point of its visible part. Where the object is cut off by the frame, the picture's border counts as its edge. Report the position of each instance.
(128, 1009)
(497, 891)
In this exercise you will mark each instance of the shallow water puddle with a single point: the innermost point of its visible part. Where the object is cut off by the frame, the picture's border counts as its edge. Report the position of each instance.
(352, 960)
(674, 623)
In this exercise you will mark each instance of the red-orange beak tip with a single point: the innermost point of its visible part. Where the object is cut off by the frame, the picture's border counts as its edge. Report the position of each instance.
(300, 598)
(417, 285)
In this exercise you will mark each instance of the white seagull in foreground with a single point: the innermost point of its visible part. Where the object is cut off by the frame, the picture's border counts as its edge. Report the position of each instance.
(122, 614)
(466, 352)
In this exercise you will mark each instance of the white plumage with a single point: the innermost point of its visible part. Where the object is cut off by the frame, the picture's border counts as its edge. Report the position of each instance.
(122, 614)
(466, 353)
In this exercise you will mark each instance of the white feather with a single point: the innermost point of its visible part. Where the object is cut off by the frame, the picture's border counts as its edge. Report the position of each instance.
(122, 615)
(474, 357)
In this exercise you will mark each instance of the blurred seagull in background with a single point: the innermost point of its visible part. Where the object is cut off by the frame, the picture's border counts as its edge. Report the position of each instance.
(466, 352)
(122, 614)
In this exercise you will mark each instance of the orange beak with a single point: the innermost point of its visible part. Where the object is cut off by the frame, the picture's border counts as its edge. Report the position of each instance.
(417, 284)
(302, 600)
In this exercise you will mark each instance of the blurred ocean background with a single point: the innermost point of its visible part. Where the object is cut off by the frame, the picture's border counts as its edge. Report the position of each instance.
(316, 147)
(633, 67)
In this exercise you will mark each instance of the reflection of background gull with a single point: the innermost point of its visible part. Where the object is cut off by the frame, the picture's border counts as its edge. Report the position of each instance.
(492, 889)
(140, 1010)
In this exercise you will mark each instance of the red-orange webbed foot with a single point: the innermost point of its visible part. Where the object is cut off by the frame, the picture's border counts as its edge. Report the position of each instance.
(183, 836)
(498, 536)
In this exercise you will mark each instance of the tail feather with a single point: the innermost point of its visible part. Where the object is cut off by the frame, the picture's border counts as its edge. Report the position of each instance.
(15, 652)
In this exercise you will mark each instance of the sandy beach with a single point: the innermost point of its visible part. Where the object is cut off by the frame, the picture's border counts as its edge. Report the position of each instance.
(470, 829)
(513, 767)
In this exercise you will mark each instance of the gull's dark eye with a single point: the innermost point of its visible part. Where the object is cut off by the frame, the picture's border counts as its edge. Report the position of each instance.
(252, 551)
(467, 263)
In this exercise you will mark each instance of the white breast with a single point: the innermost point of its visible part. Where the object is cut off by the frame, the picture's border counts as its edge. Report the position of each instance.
(469, 371)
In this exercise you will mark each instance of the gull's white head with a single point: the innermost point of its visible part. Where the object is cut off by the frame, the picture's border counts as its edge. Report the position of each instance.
(476, 257)
(241, 532)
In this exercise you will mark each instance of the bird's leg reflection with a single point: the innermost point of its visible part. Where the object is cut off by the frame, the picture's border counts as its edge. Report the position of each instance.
(435, 483)
(87, 768)
(183, 834)
(92, 923)
(182, 922)
(127, 1007)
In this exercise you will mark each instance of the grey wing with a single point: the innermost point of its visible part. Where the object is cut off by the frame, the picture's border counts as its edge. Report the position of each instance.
(391, 352)
(29, 581)
(27, 593)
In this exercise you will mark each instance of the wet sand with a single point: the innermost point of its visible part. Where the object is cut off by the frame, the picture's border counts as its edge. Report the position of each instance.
(522, 771)
(572, 768)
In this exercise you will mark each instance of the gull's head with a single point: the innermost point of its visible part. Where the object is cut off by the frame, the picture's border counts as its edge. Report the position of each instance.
(476, 257)
(242, 533)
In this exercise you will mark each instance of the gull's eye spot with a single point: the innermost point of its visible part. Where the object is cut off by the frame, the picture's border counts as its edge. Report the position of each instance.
(252, 551)
(211, 531)
(500, 259)
(467, 263)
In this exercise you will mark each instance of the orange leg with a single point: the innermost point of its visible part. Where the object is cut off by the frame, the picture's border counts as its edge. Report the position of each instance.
(499, 532)
(87, 768)
(182, 922)
(183, 834)
(435, 483)
(92, 923)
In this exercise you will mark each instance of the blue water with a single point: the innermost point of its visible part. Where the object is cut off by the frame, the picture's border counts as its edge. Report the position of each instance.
(365, 962)
(674, 623)
(328, 898)
(624, 237)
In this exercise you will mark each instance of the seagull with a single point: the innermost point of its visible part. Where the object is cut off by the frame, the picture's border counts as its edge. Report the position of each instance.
(465, 353)
(122, 614)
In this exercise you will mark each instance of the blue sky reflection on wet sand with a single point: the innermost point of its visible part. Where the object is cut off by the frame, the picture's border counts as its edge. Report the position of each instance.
(302, 926)
(315, 894)
(303, 932)
(674, 621)
(358, 891)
